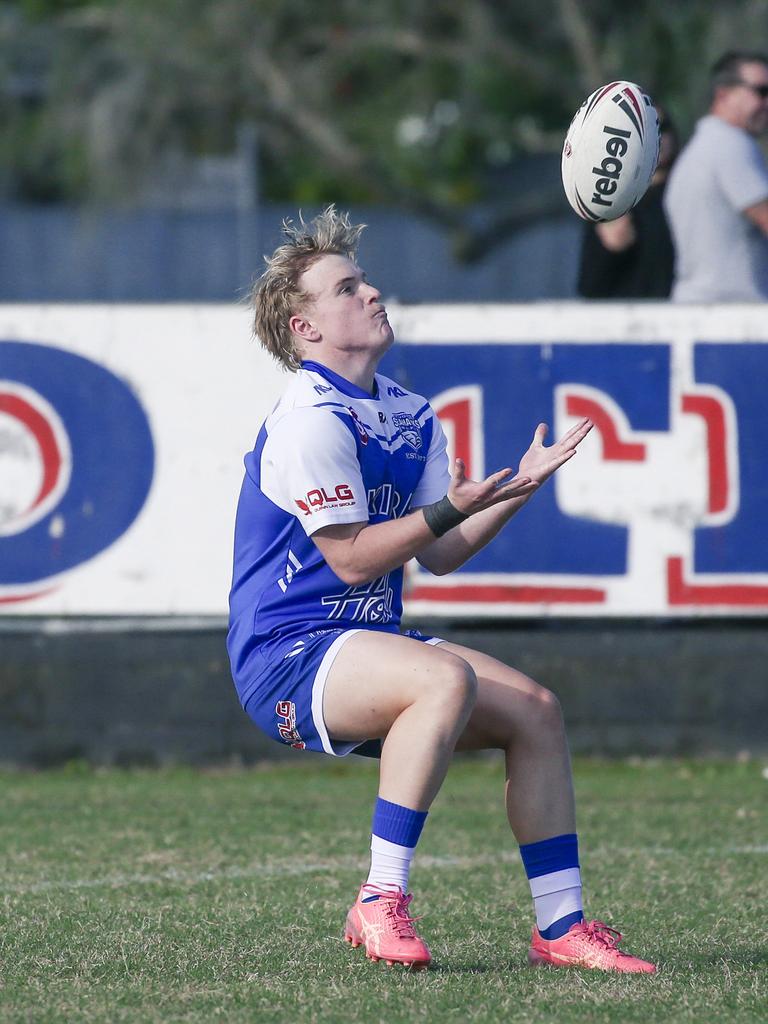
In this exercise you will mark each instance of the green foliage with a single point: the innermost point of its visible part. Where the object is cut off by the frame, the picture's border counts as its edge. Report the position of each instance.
(41, 10)
(420, 104)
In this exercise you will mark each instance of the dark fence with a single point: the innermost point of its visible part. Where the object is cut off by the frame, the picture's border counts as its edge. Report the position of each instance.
(62, 254)
(164, 695)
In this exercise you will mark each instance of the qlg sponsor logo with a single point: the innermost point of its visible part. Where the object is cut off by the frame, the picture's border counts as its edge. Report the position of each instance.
(319, 499)
(286, 724)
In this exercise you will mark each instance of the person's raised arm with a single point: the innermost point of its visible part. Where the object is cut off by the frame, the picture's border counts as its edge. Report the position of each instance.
(359, 552)
(474, 513)
(539, 463)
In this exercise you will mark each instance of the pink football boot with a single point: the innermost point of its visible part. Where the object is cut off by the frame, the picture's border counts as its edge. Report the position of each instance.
(384, 927)
(586, 944)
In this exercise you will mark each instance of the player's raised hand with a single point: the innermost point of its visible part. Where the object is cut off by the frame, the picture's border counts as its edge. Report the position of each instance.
(470, 496)
(539, 463)
(536, 466)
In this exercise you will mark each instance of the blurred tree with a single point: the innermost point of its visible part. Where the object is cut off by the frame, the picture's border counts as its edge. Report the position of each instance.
(424, 103)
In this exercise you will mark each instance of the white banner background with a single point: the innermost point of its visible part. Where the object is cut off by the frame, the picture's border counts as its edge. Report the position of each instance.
(206, 387)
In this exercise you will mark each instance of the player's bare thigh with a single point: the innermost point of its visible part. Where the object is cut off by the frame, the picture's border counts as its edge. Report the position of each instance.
(376, 676)
(509, 703)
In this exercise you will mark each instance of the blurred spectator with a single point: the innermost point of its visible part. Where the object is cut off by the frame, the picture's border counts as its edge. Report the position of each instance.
(632, 257)
(717, 198)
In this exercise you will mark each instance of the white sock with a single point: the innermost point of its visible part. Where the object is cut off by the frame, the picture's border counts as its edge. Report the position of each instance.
(390, 864)
(555, 896)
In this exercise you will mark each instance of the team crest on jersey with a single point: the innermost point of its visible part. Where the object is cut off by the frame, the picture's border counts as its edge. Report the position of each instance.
(409, 429)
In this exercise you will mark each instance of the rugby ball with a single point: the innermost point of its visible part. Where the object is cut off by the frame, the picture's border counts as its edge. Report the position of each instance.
(610, 152)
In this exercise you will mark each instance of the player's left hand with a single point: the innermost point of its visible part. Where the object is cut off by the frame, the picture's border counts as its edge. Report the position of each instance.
(539, 463)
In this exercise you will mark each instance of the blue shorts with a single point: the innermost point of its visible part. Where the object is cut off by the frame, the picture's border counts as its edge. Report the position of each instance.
(287, 703)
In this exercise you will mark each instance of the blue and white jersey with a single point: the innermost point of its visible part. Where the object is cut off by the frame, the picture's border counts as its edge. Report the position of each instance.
(329, 453)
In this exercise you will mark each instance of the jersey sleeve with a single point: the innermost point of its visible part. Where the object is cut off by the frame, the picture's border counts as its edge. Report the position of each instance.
(309, 467)
(436, 479)
(742, 173)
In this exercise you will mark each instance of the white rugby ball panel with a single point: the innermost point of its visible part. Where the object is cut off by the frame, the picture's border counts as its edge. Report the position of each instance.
(610, 151)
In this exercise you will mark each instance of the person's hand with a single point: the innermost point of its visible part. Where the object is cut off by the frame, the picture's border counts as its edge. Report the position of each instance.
(617, 235)
(536, 466)
(470, 496)
(539, 463)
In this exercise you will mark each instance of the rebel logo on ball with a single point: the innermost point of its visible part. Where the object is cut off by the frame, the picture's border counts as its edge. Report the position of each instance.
(611, 167)
(610, 152)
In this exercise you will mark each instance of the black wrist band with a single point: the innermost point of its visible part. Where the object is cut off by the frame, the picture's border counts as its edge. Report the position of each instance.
(442, 516)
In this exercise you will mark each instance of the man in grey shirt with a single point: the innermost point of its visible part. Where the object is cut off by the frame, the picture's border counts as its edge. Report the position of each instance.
(717, 197)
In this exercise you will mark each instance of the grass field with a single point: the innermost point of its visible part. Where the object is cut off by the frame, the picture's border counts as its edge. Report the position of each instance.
(220, 896)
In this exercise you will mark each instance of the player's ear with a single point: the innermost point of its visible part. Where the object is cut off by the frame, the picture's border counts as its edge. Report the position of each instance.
(303, 328)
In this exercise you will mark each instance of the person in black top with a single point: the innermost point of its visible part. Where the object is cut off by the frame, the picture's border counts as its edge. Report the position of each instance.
(632, 257)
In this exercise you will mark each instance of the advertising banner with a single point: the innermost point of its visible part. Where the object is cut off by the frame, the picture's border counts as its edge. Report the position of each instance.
(122, 433)
(123, 428)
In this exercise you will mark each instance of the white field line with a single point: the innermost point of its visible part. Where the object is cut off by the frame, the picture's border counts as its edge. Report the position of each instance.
(290, 868)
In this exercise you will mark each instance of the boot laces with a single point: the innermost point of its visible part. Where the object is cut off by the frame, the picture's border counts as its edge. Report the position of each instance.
(397, 912)
(602, 933)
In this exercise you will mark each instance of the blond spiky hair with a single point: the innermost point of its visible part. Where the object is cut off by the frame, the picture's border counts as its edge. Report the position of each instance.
(276, 296)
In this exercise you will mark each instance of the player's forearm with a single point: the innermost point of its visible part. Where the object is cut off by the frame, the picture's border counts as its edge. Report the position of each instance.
(758, 214)
(455, 548)
(380, 548)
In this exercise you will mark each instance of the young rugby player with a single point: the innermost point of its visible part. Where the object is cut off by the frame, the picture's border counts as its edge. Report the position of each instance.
(349, 479)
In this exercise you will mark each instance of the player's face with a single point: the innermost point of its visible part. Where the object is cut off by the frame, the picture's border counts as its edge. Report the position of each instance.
(345, 309)
(750, 106)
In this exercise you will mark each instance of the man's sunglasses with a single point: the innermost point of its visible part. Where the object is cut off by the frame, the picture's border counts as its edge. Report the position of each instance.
(759, 90)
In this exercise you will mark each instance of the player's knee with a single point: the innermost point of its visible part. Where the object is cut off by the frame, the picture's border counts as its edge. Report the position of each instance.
(458, 684)
(544, 710)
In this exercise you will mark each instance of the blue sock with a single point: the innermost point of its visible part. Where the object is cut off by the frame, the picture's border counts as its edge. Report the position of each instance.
(397, 824)
(552, 867)
(395, 830)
